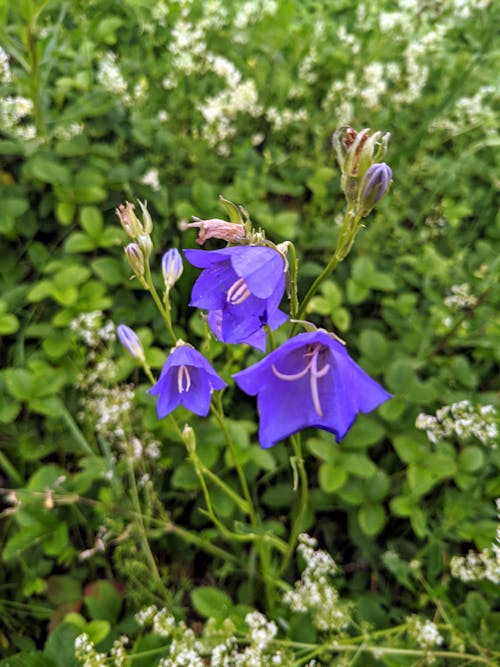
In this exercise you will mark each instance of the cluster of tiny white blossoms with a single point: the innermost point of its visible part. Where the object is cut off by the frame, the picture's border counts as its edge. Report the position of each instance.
(86, 654)
(109, 75)
(460, 298)
(251, 12)
(152, 178)
(479, 566)
(70, 131)
(5, 73)
(217, 646)
(314, 591)
(468, 112)
(463, 420)
(425, 632)
(14, 109)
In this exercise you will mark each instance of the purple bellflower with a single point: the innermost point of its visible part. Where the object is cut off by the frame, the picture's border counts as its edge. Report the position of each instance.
(187, 378)
(130, 341)
(241, 287)
(310, 381)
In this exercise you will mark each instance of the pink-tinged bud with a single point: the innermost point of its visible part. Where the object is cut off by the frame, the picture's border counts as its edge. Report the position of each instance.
(171, 266)
(374, 185)
(130, 341)
(129, 220)
(357, 151)
(218, 229)
(135, 258)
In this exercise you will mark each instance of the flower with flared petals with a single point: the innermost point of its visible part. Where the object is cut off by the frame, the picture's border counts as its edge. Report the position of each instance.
(310, 381)
(187, 379)
(241, 287)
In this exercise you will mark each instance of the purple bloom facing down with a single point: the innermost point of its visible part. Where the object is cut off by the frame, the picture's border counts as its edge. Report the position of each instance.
(187, 378)
(310, 381)
(241, 287)
(171, 266)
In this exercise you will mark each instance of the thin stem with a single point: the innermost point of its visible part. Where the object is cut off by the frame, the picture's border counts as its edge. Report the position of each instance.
(140, 525)
(73, 427)
(346, 237)
(304, 497)
(156, 298)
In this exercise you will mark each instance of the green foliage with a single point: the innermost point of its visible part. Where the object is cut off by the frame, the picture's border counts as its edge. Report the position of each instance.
(111, 101)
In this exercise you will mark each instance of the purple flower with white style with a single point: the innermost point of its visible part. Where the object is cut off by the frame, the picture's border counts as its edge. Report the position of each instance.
(241, 287)
(310, 381)
(187, 379)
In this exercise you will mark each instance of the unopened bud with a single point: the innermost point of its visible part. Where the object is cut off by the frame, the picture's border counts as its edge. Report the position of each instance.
(357, 151)
(218, 229)
(135, 258)
(171, 266)
(146, 217)
(145, 244)
(130, 341)
(189, 439)
(375, 184)
(129, 220)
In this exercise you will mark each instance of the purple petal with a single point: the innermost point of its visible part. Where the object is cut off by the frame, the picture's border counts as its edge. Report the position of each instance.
(263, 269)
(210, 289)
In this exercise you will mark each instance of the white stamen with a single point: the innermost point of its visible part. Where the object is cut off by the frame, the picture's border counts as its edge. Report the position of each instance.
(312, 367)
(238, 292)
(183, 375)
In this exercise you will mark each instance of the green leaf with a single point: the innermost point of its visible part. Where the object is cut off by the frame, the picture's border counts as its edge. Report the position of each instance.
(79, 242)
(91, 221)
(103, 601)
(110, 270)
(365, 432)
(358, 465)
(372, 519)
(65, 212)
(211, 602)
(373, 345)
(332, 477)
(56, 541)
(471, 459)
(36, 659)
(185, 477)
(46, 169)
(19, 383)
(409, 449)
(60, 646)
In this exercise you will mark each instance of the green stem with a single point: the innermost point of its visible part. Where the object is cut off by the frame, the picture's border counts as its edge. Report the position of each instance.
(304, 497)
(262, 547)
(140, 525)
(78, 435)
(346, 237)
(156, 298)
(292, 280)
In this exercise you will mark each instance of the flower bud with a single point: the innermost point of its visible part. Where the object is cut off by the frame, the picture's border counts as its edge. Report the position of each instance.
(146, 217)
(145, 244)
(374, 185)
(129, 220)
(130, 341)
(357, 151)
(218, 229)
(171, 266)
(189, 439)
(135, 258)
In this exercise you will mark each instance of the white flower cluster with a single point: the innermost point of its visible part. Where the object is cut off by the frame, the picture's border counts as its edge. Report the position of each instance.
(460, 298)
(118, 653)
(152, 178)
(13, 111)
(86, 653)
(314, 591)
(5, 73)
(425, 632)
(479, 566)
(280, 119)
(463, 420)
(110, 76)
(250, 12)
(67, 132)
(470, 112)
(88, 327)
(220, 112)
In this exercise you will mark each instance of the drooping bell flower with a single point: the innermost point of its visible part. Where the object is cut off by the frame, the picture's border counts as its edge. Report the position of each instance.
(187, 379)
(310, 381)
(241, 287)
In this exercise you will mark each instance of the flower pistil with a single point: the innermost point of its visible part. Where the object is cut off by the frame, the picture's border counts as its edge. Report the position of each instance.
(313, 351)
(183, 379)
(238, 292)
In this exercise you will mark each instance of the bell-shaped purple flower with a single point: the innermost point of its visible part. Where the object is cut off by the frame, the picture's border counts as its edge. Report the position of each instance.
(310, 381)
(130, 341)
(241, 287)
(187, 378)
(374, 185)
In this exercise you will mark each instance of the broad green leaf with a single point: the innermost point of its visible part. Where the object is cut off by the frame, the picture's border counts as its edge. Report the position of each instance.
(211, 602)
(471, 459)
(372, 519)
(103, 601)
(332, 477)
